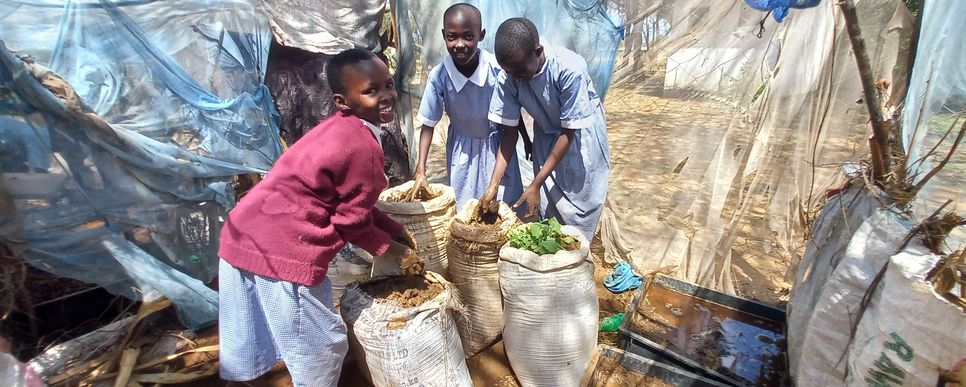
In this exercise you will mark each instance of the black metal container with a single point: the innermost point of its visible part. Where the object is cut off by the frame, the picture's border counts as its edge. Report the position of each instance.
(703, 331)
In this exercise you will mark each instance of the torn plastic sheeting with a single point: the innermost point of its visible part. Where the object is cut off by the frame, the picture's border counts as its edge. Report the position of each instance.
(141, 123)
(325, 26)
(197, 304)
(155, 81)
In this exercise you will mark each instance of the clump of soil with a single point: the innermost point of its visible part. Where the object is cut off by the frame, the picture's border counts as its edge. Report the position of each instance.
(407, 291)
(610, 373)
(423, 196)
(487, 219)
(570, 246)
(420, 196)
(412, 265)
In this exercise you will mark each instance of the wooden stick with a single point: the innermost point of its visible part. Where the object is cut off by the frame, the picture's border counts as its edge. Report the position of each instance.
(880, 136)
(159, 361)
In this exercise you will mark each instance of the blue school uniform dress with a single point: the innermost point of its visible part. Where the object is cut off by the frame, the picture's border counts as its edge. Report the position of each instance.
(562, 96)
(472, 141)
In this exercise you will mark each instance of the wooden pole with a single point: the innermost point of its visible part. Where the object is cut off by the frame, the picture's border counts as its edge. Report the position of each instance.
(879, 142)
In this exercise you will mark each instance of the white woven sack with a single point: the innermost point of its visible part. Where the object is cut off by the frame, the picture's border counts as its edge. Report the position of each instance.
(909, 335)
(826, 337)
(828, 241)
(428, 221)
(550, 313)
(473, 252)
(416, 346)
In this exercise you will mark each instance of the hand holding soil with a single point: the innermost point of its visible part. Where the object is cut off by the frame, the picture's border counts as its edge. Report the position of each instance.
(411, 264)
(488, 203)
(420, 191)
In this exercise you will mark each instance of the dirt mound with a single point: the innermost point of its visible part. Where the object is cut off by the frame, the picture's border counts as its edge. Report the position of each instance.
(609, 373)
(407, 291)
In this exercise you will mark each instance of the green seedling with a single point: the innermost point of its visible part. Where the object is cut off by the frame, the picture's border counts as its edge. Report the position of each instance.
(542, 237)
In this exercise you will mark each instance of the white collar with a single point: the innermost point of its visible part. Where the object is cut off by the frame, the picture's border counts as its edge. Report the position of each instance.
(477, 78)
(376, 131)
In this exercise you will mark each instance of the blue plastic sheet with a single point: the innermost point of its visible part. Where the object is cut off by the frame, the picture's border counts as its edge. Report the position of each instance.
(779, 8)
(125, 183)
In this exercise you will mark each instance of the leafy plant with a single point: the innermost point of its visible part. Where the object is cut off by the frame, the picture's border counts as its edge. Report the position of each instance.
(542, 237)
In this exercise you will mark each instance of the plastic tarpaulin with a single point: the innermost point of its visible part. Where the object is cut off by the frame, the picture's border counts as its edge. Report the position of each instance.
(325, 26)
(936, 103)
(136, 116)
(725, 142)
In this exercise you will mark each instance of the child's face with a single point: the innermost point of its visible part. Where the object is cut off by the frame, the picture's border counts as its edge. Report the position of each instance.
(369, 92)
(524, 65)
(462, 32)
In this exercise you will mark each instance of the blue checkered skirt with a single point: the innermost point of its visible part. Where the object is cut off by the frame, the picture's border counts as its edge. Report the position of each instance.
(262, 321)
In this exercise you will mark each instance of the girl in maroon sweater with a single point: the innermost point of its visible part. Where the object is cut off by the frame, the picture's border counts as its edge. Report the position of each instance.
(275, 298)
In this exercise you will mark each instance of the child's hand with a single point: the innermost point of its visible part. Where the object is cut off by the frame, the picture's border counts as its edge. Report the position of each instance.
(420, 189)
(488, 203)
(532, 197)
(406, 239)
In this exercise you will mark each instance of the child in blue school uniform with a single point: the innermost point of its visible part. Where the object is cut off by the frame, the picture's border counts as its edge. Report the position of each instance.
(462, 85)
(571, 158)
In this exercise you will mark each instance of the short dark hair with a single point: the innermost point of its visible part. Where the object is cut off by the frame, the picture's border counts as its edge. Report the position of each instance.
(463, 7)
(514, 36)
(338, 63)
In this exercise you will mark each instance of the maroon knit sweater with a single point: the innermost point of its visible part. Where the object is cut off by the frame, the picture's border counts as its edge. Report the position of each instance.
(319, 195)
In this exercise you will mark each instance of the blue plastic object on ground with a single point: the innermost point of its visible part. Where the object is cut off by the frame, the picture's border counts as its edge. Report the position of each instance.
(622, 279)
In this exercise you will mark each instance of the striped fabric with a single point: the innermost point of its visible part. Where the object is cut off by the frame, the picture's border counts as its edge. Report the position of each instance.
(262, 321)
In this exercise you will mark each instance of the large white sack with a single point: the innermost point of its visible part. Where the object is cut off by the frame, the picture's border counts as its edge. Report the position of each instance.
(550, 313)
(417, 346)
(828, 240)
(473, 252)
(825, 341)
(428, 221)
(908, 334)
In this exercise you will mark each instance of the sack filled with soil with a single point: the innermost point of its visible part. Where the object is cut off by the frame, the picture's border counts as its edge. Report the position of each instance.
(401, 328)
(550, 312)
(427, 218)
(473, 251)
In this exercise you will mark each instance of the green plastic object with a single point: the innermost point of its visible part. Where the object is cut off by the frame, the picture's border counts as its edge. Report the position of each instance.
(612, 323)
